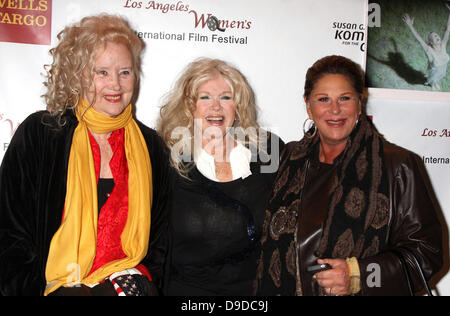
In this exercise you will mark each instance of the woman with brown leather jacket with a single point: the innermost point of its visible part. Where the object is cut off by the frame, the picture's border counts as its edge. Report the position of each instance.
(347, 200)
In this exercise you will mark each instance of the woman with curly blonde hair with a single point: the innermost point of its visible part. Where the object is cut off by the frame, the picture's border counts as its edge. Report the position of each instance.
(177, 115)
(80, 181)
(219, 190)
(73, 68)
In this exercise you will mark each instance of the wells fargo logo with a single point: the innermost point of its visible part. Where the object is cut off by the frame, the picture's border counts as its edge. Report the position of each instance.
(26, 21)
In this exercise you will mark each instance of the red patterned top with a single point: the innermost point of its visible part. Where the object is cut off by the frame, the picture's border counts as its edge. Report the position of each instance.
(113, 215)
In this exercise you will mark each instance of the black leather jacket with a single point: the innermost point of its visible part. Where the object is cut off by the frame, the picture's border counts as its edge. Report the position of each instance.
(413, 223)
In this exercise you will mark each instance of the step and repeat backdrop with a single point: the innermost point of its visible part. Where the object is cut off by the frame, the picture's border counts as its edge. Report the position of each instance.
(273, 43)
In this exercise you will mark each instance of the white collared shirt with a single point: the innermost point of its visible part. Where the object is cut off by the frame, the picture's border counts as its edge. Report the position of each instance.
(240, 158)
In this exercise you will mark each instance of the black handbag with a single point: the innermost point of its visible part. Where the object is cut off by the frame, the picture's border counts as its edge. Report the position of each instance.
(401, 251)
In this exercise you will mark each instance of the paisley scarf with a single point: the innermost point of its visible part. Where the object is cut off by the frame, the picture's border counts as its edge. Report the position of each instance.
(357, 215)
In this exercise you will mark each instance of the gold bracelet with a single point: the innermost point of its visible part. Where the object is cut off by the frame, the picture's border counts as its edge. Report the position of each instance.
(355, 275)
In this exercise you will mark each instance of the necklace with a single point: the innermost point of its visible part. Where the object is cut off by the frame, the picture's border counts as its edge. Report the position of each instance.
(223, 170)
(218, 170)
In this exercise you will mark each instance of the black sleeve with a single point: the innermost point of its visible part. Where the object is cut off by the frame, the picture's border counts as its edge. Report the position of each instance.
(270, 153)
(415, 225)
(21, 271)
(155, 259)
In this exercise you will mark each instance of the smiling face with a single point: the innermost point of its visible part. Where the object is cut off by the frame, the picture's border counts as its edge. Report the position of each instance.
(215, 107)
(113, 80)
(334, 106)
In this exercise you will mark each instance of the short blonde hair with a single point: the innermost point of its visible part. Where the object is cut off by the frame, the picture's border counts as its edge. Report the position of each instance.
(74, 56)
(180, 104)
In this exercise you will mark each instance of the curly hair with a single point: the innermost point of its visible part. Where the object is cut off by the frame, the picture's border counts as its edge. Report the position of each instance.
(72, 70)
(180, 104)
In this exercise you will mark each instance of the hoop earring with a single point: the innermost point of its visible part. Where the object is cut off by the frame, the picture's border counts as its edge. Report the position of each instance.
(305, 132)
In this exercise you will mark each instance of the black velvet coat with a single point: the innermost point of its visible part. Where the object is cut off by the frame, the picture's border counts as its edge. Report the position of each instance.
(33, 178)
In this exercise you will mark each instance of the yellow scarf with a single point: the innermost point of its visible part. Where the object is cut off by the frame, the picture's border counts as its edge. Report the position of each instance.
(73, 247)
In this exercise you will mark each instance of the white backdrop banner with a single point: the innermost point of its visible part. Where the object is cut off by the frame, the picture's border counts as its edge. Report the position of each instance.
(272, 42)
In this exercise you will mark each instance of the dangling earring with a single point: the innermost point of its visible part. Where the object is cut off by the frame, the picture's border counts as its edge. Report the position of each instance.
(305, 132)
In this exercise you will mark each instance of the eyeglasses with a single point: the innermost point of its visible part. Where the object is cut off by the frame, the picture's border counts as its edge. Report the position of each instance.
(221, 99)
(341, 101)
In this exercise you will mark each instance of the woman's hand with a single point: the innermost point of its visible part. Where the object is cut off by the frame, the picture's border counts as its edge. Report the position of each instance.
(408, 20)
(335, 281)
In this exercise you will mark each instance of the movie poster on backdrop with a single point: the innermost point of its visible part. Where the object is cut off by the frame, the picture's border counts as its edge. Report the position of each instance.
(408, 48)
(272, 43)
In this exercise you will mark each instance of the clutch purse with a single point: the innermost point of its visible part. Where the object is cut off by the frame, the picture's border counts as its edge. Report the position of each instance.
(401, 251)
